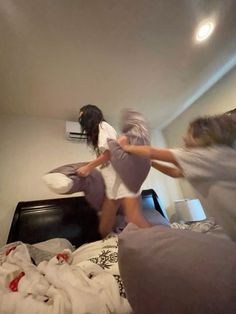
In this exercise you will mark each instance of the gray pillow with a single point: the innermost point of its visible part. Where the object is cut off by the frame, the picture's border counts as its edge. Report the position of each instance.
(132, 169)
(169, 271)
(64, 180)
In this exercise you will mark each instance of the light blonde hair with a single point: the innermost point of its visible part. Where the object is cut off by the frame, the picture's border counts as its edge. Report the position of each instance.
(213, 130)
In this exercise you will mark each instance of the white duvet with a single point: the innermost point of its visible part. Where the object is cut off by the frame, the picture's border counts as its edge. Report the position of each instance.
(88, 282)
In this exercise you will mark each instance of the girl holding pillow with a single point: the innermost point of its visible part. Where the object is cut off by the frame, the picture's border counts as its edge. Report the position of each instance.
(98, 131)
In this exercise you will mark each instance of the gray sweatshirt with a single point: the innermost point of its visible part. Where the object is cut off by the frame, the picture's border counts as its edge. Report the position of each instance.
(212, 173)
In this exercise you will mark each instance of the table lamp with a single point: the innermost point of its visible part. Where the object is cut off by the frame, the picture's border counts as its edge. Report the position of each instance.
(188, 210)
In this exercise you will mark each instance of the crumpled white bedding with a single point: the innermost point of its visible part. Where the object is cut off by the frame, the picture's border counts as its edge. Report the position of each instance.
(87, 281)
(207, 226)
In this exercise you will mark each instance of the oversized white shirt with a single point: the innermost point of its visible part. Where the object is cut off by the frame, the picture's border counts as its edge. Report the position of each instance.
(115, 188)
(106, 131)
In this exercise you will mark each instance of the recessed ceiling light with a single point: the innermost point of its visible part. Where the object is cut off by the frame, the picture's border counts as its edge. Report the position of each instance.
(204, 31)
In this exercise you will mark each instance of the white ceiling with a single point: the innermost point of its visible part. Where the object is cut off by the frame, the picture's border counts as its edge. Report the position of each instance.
(56, 55)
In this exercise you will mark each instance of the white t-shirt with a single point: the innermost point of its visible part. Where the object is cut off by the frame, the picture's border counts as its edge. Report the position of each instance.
(105, 131)
(115, 188)
(212, 173)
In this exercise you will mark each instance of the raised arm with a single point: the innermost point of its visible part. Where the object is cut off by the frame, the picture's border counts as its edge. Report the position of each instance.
(151, 152)
(170, 171)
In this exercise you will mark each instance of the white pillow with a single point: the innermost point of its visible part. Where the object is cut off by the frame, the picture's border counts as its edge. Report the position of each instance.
(58, 182)
(54, 246)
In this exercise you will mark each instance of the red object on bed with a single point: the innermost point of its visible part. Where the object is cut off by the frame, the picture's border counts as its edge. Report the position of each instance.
(13, 285)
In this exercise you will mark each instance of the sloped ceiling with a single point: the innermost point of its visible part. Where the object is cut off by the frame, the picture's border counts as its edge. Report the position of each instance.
(57, 55)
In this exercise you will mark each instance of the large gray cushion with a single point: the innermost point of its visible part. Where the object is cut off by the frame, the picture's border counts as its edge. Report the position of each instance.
(64, 180)
(132, 169)
(169, 271)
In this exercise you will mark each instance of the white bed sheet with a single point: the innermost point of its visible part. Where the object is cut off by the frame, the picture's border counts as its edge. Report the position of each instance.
(88, 283)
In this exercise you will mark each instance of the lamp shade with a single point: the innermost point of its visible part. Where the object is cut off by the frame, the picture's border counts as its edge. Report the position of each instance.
(189, 210)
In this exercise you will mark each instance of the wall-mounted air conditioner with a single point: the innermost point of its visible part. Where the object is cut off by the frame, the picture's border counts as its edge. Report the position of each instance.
(73, 131)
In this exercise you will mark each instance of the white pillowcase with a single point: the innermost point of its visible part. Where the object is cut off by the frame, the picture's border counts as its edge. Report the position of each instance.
(58, 182)
(55, 245)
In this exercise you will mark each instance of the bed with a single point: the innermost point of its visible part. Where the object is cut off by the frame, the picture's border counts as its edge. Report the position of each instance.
(55, 262)
(71, 218)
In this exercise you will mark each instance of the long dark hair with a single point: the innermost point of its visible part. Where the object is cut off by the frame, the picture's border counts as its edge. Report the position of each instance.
(89, 119)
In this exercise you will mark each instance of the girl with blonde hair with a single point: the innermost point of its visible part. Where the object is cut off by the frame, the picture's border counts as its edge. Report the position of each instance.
(208, 162)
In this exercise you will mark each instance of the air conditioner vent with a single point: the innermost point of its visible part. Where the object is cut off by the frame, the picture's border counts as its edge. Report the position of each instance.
(73, 131)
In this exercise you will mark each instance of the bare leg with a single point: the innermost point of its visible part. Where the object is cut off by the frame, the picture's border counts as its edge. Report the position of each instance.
(108, 216)
(133, 212)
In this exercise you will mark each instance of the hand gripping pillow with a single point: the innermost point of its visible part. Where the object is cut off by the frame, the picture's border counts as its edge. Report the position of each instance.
(64, 180)
(132, 169)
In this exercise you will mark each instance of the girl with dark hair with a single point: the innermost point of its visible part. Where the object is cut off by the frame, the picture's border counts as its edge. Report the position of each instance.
(98, 131)
(208, 162)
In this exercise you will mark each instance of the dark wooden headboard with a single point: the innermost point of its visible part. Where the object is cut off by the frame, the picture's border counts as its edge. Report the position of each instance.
(71, 218)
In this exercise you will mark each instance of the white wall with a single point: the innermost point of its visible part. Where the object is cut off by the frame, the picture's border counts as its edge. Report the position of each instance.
(219, 99)
(29, 148)
(32, 146)
(166, 187)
